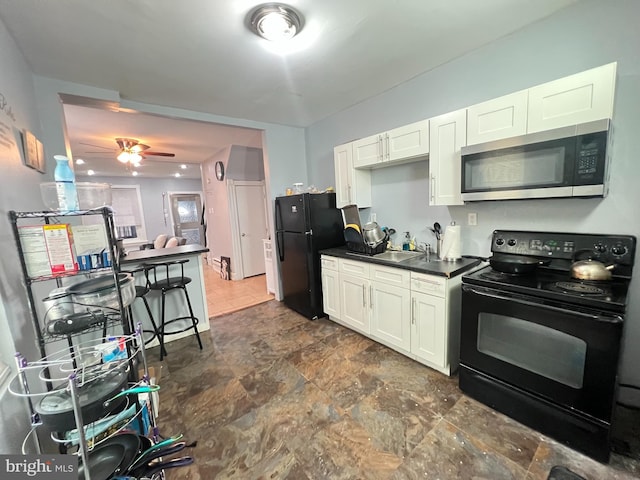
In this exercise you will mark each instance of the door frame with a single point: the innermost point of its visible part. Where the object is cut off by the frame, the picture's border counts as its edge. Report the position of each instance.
(169, 211)
(237, 271)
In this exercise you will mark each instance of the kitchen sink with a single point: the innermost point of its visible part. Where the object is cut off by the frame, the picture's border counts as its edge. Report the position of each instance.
(397, 256)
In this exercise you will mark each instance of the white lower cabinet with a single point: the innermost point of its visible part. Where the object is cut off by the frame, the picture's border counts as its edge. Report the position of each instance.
(428, 329)
(415, 314)
(354, 292)
(390, 316)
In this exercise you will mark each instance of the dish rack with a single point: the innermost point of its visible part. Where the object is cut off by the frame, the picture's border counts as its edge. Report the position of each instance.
(361, 247)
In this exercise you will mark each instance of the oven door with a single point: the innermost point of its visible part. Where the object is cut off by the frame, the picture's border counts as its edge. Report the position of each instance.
(564, 354)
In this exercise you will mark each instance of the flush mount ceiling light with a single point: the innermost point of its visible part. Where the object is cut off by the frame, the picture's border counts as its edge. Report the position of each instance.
(275, 21)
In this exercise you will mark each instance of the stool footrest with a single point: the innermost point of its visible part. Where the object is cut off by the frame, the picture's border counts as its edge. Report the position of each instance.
(190, 327)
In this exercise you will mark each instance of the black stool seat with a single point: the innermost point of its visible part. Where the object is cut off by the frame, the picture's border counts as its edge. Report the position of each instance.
(165, 277)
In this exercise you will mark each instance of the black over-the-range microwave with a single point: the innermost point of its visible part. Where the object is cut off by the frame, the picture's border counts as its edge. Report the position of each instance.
(564, 162)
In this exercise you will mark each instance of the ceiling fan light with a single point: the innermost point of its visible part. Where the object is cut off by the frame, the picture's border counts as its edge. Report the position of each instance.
(124, 156)
(275, 21)
(135, 158)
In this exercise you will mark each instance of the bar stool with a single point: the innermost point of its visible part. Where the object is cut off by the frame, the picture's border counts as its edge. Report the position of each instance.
(165, 277)
(141, 292)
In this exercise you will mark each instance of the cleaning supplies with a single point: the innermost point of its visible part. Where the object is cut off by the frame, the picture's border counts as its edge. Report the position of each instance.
(406, 243)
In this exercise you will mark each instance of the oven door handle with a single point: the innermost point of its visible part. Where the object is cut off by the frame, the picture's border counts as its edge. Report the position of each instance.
(598, 318)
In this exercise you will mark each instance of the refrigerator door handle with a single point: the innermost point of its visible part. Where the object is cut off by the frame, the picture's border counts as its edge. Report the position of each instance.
(279, 241)
(278, 215)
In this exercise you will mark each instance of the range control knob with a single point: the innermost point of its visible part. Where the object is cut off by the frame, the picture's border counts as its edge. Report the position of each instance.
(499, 241)
(511, 242)
(600, 248)
(618, 250)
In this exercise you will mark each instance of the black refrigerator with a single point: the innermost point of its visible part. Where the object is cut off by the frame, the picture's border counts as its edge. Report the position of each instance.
(305, 224)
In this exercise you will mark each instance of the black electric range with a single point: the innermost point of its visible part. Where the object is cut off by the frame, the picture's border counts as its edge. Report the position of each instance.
(541, 346)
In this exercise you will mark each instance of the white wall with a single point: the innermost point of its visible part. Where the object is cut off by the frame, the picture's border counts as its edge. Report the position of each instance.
(586, 35)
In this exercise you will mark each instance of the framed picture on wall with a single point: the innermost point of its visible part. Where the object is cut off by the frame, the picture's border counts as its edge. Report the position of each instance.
(30, 146)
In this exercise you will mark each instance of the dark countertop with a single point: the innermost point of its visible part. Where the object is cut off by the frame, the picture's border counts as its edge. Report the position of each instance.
(157, 254)
(416, 264)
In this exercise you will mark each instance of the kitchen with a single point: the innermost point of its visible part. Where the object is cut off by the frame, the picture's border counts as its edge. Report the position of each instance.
(401, 193)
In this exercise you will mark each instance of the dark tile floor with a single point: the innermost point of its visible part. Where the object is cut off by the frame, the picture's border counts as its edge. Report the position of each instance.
(276, 396)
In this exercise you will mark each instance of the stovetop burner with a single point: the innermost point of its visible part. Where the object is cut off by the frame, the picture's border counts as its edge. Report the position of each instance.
(579, 287)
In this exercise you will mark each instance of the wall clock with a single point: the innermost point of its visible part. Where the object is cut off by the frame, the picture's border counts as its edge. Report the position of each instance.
(220, 171)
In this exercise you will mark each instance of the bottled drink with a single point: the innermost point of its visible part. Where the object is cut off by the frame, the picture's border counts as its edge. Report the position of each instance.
(65, 185)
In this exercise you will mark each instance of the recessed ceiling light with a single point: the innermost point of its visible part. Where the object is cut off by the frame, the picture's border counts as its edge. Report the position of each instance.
(90, 172)
(177, 175)
(79, 161)
(275, 21)
(183, 166)
(134, 173)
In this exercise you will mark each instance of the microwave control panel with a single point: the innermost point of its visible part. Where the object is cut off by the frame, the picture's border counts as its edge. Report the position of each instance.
(619, 249)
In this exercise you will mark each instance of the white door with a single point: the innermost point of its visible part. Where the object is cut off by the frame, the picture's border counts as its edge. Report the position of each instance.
(252, 226)
(331, 293)
(499, 118)
(187, 217)
(367, 151)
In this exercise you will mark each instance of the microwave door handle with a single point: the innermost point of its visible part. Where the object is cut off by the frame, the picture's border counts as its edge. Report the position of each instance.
(599, 318)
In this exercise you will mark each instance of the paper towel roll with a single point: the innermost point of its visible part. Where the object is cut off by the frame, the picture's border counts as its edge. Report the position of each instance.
(451, 244)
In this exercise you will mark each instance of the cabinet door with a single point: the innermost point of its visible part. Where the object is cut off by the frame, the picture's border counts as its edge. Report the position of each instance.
(354, 293)
(343, 165)
(352, 186)
(499, 118)
(447, 135)
(407, 141)
(331, 293)
(428, 332)
(578, 98)
(390, 315)
(367, 151)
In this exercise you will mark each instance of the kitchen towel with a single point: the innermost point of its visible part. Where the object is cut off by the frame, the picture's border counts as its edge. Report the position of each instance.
(451, 243)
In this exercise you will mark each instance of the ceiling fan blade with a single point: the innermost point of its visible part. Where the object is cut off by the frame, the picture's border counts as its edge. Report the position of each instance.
(158, 154)
(97, 146)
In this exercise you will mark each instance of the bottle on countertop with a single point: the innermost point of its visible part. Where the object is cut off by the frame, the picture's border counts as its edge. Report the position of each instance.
(65, 185)
(406, 243)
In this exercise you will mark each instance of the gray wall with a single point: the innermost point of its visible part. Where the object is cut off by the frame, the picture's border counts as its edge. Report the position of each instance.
(151, 190)
(19, 190)
(586, 35)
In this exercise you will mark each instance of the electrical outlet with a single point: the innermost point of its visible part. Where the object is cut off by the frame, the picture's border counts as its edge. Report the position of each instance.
(472, 218)
(373, 217)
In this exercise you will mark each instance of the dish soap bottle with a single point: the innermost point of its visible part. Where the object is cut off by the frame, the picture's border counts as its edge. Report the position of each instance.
(407, 241)
(65, 185)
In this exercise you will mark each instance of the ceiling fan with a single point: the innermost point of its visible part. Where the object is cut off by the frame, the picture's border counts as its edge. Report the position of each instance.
(131, 150)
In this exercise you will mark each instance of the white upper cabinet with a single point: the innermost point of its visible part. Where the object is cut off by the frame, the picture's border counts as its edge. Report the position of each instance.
(409, 141)
(447, 136)
(502, 117)
(399, 145)
(367, 151)
(352, 186)
(578, 98)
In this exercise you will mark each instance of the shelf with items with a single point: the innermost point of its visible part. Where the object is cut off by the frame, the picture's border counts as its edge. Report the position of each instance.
(36, 255)
(93, 394)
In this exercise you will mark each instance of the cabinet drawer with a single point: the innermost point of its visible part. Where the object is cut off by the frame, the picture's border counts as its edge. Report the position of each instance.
(390, 275)
(359, 269)
(430, 284)
(329, 263)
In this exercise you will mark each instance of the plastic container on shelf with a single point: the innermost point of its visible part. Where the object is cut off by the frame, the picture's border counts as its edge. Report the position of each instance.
(101, 292)
(65, 182)
(90, 195)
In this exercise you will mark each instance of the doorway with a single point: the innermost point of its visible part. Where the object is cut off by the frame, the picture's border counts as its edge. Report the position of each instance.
(187, 216)
(248, 213)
